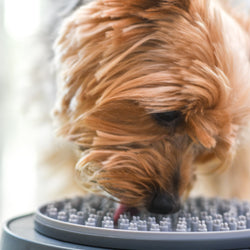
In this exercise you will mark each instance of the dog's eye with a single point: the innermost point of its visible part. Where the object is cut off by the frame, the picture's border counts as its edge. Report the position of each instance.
(167, 118)
(81, 148)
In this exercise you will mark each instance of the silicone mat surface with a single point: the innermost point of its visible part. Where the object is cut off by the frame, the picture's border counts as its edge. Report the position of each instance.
(200, 224)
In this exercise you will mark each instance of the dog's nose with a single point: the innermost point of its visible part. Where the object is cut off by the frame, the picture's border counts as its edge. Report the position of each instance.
(164, 204)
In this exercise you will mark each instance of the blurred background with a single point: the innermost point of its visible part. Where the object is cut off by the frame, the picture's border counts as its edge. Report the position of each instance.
(28, 149)
(19, 21)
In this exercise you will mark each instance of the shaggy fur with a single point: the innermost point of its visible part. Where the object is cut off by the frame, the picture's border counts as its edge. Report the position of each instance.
(150, 90)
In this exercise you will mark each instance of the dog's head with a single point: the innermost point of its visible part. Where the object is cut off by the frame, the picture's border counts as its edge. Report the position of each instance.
(148, 89)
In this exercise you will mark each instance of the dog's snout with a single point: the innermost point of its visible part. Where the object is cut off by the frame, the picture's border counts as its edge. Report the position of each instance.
(164, 203)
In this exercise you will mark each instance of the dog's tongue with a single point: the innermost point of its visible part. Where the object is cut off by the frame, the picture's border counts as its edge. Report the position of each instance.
(123, 209)
(120, 210)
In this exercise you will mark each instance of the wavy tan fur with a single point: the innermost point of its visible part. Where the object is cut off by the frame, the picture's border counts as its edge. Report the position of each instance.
(119, 62)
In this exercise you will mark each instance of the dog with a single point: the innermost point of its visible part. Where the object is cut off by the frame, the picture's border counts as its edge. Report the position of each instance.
(153, 92)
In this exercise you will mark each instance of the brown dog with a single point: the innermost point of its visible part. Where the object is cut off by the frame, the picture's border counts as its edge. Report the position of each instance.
(151, 89)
